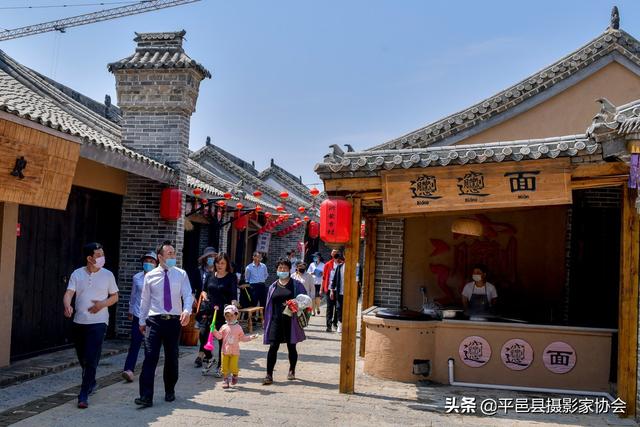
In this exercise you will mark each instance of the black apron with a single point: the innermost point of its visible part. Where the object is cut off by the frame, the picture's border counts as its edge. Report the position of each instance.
(479, 303)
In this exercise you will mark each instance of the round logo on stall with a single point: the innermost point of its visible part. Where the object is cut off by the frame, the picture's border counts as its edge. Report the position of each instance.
(517, 354)
(474, 351)
(559, 357)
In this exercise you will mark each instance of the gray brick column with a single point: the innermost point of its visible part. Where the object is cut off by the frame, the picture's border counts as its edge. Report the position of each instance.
(389, 259)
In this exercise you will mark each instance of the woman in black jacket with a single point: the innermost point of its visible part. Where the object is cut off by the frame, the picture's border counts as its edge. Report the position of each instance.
(221, 288)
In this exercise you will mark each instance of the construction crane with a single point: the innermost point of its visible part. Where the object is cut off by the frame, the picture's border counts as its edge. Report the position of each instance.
(89, 18)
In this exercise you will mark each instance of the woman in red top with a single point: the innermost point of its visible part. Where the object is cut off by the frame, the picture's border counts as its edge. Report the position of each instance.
(332, 319)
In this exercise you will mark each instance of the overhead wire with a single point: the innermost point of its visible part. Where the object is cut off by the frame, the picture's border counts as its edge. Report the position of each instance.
(59, 6)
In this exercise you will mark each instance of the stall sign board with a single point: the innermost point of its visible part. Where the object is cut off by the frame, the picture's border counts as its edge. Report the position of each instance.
(559, 357)
(263, 242)
(517, 354)
(477, 186)
(474, 351)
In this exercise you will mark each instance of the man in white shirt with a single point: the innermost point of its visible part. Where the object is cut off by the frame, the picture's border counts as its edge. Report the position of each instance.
(165, 307)
(479, 297)
(95, 289)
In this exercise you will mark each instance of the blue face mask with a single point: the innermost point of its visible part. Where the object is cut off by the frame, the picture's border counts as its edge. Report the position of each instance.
(283, 275)
(170, 262)
(210, 262)
(148, 266)
(316, 259)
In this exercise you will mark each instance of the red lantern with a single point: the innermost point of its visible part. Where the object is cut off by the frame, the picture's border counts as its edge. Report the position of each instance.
(204, 201)
(257, 194)
(363, 230)
(297, 219)
(227, 195)
(301, 209)
(280, 208)
(314, 192)
(241, 221)
(239, 206)
(258, 208)
(171, 204)
(306, 218)
(284, 195)
(221, 203)
(267, 215)
(335, 221)
(197, 192)
(314, 230)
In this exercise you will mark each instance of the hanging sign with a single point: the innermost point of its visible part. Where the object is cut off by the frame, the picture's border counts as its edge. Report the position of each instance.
(559, 357)
(474, 351)
(477, 186)
(517, 354)
(263, 242)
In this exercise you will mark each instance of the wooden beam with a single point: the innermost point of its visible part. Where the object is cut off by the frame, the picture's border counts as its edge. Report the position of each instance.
(353, 184)
(628, 304)
(350, 306)
(369, 274)
(588, 170)
(599, 182)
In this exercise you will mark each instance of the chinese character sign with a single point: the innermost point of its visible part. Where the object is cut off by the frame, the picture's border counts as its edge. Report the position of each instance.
(559, 357)
(480, 186)
(517, 354)
(474, 351)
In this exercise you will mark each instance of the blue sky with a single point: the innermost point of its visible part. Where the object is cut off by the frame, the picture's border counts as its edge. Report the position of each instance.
(292, 77)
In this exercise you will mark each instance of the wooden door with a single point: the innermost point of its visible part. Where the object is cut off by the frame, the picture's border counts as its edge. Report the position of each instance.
(48, 250)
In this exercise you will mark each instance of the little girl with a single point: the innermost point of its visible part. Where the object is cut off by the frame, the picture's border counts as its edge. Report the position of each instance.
(231, 334)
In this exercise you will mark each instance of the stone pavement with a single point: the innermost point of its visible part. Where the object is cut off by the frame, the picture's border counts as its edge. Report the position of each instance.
(312, 399)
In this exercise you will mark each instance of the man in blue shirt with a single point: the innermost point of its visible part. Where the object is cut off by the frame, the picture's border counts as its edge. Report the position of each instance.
(256, 275)
(149, 262)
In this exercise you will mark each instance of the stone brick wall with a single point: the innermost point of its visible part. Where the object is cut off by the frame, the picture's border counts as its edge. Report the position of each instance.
(389, 256)
(141, 231)
(204, 238)
(279, 247)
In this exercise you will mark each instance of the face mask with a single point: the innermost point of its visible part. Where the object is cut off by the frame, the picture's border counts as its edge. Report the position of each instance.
(99, 262)
(283, 275)
(301, 270)
(232, 321)
(210, 262)
(170, 262)
(148, 266)
(316, 260)
(476, 277)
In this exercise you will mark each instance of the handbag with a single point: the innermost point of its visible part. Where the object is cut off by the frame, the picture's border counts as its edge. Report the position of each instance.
(303, 319)
(204, 310)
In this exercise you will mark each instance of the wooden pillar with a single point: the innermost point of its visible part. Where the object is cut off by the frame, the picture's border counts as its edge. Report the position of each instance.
(350, 306)
(628, 304)
(369, 273)
(8, 242)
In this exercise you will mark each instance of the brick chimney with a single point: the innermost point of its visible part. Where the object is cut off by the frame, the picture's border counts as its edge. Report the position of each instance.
(157, 91)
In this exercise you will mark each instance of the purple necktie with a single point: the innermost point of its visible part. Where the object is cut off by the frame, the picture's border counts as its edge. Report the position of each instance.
(167, 293)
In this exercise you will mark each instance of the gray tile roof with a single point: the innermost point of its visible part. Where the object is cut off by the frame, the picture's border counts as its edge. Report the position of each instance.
(613, 122)
(159, 50)
(27, 94)
(369, 163)
(612, 41)
(288, 180)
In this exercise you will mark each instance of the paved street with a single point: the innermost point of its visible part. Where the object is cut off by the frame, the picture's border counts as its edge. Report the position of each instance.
(311, 400)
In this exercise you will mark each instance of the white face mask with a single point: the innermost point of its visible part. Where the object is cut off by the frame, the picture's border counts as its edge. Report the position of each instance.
(99, 262)
(476, 277)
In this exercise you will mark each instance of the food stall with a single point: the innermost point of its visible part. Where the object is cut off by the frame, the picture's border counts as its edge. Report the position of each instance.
(553, 220)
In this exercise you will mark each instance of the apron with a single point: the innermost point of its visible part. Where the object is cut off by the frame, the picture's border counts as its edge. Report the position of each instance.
(479, 303)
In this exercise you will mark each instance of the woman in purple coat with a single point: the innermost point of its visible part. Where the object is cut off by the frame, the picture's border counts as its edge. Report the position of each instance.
(280, 328)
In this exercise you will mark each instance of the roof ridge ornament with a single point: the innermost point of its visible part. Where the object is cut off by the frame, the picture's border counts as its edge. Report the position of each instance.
(614, 24)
